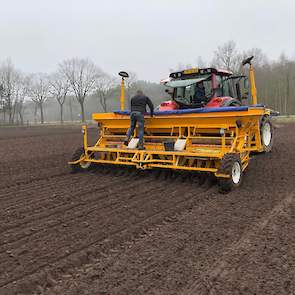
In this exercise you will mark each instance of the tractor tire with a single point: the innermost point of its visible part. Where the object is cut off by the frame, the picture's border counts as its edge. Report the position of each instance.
(266, 134)
(82, 165)
(230, 165)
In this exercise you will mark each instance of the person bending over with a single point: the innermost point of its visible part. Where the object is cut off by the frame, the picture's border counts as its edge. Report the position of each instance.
(138, 108)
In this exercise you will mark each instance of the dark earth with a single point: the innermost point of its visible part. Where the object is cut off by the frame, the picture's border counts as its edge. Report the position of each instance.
(107, 232)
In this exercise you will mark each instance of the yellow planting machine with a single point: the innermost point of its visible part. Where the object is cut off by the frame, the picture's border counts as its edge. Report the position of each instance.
(214, 136)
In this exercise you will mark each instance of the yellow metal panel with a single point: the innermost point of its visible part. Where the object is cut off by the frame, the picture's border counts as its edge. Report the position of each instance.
(208, 135)
(122, 100)
(253, 86)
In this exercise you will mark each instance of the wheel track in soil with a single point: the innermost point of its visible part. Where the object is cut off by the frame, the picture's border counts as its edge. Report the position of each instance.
(220, 269)
(117, 231)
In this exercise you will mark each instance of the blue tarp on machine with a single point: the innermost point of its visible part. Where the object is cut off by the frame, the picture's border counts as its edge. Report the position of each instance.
(198, 110)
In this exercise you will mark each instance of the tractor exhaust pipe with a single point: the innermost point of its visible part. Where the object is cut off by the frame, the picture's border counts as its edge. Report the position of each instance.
(251, 78)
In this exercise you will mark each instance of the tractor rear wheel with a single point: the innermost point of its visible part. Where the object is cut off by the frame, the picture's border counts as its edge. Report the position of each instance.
(230, 165)
(78, 154)
(266, 134)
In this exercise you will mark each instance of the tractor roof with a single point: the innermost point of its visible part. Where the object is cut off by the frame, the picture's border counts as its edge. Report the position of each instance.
(190, 73)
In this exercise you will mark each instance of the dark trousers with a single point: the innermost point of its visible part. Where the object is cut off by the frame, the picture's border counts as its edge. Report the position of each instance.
(139, 118)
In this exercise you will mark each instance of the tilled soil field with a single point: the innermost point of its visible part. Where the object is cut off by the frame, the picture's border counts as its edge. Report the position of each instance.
(105, 232)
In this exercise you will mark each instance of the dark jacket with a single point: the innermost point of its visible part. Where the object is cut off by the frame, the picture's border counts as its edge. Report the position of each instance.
(199, 96)
(139, 102)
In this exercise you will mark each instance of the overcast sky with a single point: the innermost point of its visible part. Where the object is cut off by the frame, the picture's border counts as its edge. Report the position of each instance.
(145, 36)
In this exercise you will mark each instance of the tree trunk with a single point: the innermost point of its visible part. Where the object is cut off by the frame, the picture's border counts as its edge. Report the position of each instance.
(10, 118)
(105, 106)
(71, 109)
(287, 94)
(82, 111)
(20, 111)
(14, 111)
(10, 110)
(21, 117)
(61, 114)
(103, 103)
(35, 113)
(41, 112)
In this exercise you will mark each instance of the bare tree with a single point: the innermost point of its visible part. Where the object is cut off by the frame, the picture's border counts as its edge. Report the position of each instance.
(227, 57)
(130, 84)
(82, 75)
(2, 102)
(70, 100)
(9, 77)
(21, 92)
(59, 88)
(104, 89)
(260, 59)
(39, 92)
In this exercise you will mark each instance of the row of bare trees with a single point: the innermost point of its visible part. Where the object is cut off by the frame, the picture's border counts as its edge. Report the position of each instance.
(81, 78)
(14, 87)
(76, 77)
(275, 79)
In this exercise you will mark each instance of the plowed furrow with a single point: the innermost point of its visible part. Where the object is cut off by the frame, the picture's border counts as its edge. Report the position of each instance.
(68, 215)
(37, 135)
(18, 170)
(123, 224)
(70, 202)
(16, 192)
(45, 189)
(14, 181)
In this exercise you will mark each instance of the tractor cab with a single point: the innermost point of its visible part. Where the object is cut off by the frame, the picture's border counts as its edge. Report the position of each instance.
(208, 87)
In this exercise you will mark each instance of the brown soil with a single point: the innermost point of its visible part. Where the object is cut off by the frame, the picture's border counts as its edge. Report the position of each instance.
(104, 232)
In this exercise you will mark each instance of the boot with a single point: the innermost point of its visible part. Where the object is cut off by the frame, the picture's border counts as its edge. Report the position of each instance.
(126, 141)
(140, 146)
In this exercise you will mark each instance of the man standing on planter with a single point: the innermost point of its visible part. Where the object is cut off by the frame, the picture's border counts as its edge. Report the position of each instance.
(138, 109)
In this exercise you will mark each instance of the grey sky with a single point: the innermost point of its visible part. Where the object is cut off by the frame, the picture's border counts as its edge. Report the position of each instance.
(146, 36)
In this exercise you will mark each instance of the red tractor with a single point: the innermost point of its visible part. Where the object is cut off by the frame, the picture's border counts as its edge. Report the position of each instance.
(208, 88)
